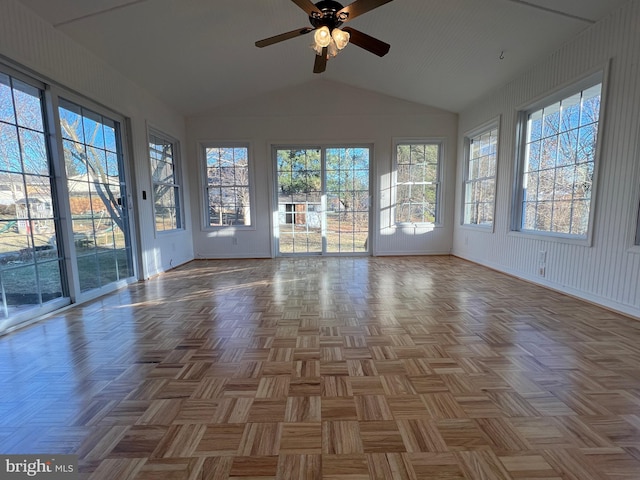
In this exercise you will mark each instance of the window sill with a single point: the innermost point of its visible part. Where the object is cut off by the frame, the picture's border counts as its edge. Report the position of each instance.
(553, 238)
(478, 228)
(634, 249)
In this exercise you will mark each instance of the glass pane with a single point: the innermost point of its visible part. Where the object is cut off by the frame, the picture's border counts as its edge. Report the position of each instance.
(10, 159)
(534, 126)
(546, 185)
(110, 141)
(74, 159)
(580, 217)
(20, 286)
(551, 120)
(531, 186)
(71, 121)
(92, 124)
(418, 173)
(403, 175)
(108, 267)
(590, 105)
(88, 271)
(97, 163)
(50, 278)
(568, 147)
(570, 117)
(7, 113)
(586, 144)
(543, 216)
(113, 170)
(549, 152)
(529, 216)
(28, 106)
(532, 156)
(34, 152)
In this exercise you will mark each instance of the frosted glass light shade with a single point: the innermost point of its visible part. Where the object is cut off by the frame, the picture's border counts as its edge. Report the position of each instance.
(322, 37)
(340, 37)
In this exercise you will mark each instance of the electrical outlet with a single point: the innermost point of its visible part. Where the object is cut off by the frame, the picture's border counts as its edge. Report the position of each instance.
(542, 270)
(542, 257)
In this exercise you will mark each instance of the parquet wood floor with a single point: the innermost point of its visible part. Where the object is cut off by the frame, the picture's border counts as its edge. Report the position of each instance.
(329, 368)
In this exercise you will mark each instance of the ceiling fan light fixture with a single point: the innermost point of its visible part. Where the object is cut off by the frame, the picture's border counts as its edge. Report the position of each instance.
(322, 37)
(340, 37)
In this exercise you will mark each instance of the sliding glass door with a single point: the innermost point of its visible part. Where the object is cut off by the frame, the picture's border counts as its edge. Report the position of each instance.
(64, 224)
(97, 194)
(323, 200)
(30, 265)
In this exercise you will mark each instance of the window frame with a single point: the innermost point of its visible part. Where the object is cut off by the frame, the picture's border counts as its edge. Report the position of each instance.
(591, 79)
(206, 225)
(440, 143)
(176, 163)
(483, 129)
(637, 242)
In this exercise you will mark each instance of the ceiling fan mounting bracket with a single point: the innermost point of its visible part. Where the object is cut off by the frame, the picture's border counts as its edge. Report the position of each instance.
(329, 17)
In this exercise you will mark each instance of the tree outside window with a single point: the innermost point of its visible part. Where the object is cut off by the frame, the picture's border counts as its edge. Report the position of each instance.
(560, 144)
(417, 182)
(228, 189)
(480, 177)
(163, 153)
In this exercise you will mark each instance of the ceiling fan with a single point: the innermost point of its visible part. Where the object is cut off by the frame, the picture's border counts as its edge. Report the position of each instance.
(326, 18)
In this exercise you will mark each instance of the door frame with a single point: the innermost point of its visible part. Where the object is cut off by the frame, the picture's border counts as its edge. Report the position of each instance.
(323, 147)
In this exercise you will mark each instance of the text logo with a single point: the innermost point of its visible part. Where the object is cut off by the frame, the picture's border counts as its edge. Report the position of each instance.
(45, 467)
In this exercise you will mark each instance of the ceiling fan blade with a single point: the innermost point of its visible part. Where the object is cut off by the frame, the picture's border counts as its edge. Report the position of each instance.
(283, 36)
(359, 7)
(307, 6)
(369, 43)
(320, 64)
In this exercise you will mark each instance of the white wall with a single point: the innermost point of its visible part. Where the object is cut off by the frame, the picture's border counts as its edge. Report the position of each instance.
(320, 112)
(30, 42)
(608, 271)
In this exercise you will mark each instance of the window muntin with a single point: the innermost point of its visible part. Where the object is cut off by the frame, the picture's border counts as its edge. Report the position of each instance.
(163, 155)
(418, 182)
(480, 177)
(228, 192)
(559, 154)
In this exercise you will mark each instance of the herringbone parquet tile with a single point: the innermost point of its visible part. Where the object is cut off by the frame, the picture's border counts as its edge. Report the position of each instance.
(329, 368)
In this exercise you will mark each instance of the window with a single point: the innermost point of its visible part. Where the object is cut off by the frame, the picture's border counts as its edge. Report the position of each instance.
(559, 144)
(480, 176)
(163, 153)
(228, 185)
(418, 182)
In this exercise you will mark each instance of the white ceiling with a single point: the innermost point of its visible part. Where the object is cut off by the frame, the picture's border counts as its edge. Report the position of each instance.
(200, 54)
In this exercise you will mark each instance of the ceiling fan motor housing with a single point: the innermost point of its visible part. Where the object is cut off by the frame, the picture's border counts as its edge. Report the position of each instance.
(329, 18)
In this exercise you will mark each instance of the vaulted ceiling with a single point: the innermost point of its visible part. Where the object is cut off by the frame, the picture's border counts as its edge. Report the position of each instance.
(200, 54)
